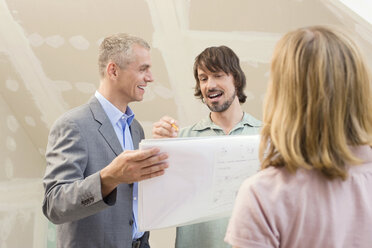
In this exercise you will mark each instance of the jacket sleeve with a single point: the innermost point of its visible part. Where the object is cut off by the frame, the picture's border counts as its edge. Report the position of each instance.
(69, 195)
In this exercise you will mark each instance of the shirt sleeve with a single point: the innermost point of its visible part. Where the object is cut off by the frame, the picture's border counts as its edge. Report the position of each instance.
(251, 223)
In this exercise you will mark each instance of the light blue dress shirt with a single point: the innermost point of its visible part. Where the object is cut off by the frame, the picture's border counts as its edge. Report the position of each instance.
(121, 122)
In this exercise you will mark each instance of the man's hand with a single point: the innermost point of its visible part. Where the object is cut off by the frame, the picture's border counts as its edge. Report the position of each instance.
(132, 166)
(166, 127)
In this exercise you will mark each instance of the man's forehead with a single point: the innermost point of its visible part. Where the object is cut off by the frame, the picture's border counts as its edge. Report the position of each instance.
(203, 70)
(140, 51)
(141, 57)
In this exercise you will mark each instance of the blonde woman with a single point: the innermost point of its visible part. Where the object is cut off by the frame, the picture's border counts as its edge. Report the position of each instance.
(315, 186)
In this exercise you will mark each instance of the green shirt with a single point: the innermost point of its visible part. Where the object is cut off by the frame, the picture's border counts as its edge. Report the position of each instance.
(211, 234)
(247, 126)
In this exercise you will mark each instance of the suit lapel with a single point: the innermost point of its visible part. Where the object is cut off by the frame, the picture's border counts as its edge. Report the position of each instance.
(136, 137)
(106, 129)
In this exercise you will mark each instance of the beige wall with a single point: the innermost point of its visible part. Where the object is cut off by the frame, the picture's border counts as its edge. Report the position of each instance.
(48, 51)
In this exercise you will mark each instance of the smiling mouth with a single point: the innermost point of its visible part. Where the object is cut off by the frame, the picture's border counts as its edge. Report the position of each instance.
(141, 87)
(214, 95)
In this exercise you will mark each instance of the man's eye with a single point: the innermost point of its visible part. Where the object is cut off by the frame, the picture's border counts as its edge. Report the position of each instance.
(202, 79)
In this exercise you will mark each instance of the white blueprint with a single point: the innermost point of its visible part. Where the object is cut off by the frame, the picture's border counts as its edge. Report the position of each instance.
(202, 180)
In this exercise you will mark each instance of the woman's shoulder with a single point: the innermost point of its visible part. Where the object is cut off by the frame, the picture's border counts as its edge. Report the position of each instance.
(277, 183)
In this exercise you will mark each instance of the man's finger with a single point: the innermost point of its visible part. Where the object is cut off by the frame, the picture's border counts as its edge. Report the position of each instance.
(167, 119)
(154, 168)
(139, 155)
(151, 175)
(151, 161)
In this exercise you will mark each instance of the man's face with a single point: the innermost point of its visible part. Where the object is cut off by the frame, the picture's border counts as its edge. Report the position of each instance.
(134, 77)
(217, 88)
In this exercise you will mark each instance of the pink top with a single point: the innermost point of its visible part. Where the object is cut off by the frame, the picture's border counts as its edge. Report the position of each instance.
(277, 209)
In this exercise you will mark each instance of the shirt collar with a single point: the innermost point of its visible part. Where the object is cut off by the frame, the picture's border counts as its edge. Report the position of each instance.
(207, 123)
(112, 112)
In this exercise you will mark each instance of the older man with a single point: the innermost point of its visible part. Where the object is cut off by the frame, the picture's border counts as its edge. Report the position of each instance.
(92, 165)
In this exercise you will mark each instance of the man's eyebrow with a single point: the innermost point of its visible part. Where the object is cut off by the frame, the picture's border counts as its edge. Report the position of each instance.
(144, 66)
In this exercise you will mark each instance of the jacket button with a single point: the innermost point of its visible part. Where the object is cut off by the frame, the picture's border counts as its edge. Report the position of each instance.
(131, 222)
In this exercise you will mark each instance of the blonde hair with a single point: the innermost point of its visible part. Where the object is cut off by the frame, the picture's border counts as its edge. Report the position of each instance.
(319, 102)
(117, 48)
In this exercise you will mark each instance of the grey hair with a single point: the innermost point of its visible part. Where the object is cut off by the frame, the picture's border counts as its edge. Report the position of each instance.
(117, 48)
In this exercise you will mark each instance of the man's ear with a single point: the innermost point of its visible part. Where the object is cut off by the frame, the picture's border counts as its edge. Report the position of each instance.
(112, 70)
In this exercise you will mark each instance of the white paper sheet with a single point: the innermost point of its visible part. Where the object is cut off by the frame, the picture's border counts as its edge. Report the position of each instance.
(202, 180)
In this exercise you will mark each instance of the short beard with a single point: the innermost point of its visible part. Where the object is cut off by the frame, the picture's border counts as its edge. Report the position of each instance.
(224, 106)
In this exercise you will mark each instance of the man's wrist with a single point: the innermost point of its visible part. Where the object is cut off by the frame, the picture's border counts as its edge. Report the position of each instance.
(108, 183)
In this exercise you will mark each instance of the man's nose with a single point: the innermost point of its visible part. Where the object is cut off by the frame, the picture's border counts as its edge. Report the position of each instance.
(148, 77)
(211, 84)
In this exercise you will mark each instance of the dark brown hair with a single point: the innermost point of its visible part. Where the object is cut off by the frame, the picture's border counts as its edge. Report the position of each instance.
(222, 58)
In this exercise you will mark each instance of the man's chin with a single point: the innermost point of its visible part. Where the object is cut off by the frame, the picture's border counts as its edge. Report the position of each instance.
(138, 99)
(217, 108)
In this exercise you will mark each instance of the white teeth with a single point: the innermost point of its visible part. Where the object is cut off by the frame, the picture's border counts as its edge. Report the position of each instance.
(141, 87)
(214, 95)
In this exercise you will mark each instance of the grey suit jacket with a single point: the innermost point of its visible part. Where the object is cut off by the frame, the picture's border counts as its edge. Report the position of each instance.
(81, 143)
